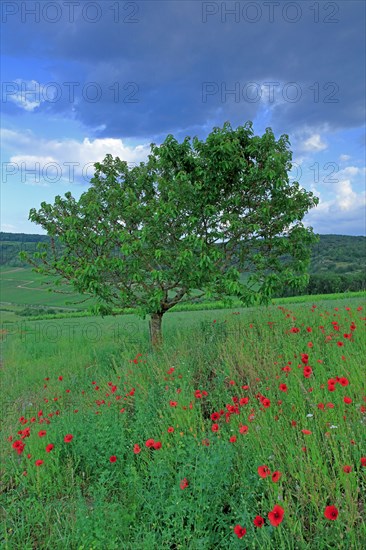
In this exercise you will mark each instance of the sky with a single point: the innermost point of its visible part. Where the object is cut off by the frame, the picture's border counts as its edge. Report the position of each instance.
(81, 79)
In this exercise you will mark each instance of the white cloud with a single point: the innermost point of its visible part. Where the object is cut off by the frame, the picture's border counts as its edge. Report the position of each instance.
(40, 161)
(344, 158)
(8, 228)
(346, 198)
(314, 143)
(28, 94)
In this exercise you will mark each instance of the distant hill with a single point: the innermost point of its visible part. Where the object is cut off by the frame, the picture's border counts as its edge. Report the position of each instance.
(338, 254)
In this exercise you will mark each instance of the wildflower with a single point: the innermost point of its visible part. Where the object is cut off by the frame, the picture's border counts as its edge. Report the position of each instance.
(276, 515)
(264, 471)
(331, 513)
(49, 447)
(42, 433)
(170, 430)
(308, 371)
(39, 462)
(243, 429)
(149, 443)
(347, 469)
(184, 483)
(136, 449)
(283, 387)
(232, 439)
(157, 445)
(68, 438)
(113, 458)
(215, 427)
(258, 521)
(276, 476)
(239, 531)
(363, 461)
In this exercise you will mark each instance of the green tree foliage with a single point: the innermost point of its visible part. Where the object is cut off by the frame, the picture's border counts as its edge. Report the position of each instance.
(192, 217)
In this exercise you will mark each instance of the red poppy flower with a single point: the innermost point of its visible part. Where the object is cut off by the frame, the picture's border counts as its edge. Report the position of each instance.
(49, 448)
(347, 469)
(113, 458)
(173, 403)
(304, 358)
(306, 432)
(243, 429)
(215, 416)
(215, 427)
(283, 387)
(331, 513)
(170, 429)
(363, 461)
(157, 445)
(276, 515)
(308, 371)
(347, 400)
(136, 449)
(232, 439)
(264, 471)
(239, 531)
(39, 462)
(42, 433)
(258, 521)
(276, 476)
(68, 438)
(149, 443)
(266, 403)
(184, 484)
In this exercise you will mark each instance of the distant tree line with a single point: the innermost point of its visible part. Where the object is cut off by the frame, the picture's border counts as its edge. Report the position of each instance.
(328, 283)
(337, 261)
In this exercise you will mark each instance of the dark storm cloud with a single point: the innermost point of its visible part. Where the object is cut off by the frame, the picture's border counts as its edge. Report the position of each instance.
(160, 67)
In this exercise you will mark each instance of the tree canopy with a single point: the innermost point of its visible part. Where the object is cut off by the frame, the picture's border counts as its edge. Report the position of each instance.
(191, 218)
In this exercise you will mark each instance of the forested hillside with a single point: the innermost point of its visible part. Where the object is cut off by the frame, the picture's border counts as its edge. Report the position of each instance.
(338, 262)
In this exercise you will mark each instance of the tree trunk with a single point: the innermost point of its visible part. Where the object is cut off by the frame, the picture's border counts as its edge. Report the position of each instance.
(156, 336)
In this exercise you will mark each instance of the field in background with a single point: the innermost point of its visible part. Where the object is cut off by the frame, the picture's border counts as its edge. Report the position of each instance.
(228, 394)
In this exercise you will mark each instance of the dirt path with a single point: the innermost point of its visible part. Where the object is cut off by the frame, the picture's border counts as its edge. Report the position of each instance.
(12, 270)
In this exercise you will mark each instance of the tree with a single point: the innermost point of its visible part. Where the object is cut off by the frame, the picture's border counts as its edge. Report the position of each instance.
(191, 218)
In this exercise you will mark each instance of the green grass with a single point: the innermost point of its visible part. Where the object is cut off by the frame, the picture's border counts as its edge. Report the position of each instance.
(78, 499)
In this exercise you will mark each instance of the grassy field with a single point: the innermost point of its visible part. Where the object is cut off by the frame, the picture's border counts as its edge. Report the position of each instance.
(21, 288)
(240, 433)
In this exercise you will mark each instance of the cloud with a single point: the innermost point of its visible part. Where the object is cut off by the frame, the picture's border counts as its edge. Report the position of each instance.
(164, 58)
(344, 158)
(8, 228)
(344, 213)
(40, 161)
(314, 143)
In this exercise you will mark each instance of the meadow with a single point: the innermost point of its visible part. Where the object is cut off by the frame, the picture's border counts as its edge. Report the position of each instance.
(245, 431)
